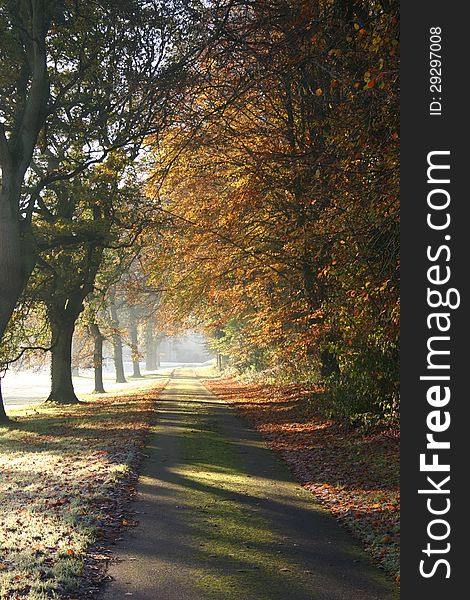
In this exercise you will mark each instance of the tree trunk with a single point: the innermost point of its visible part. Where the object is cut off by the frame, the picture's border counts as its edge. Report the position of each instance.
(97, 358)
(134, 339)
(18, 252)
(117, 346)
(151, 362)
(118, 360)
(17, 260)
(3, 415)
(75, 359)
(62, 390)
(157, 353)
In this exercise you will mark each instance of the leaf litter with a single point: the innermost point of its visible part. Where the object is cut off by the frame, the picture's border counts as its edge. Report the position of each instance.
(354, 473)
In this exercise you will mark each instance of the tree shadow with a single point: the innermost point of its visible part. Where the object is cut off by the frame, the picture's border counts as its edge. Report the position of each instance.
(260, 538)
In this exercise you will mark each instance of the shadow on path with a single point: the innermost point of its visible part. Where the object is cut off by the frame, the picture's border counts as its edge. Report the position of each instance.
(220, 517)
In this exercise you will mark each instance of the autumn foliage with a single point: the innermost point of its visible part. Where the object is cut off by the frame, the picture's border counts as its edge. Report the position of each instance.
(279, 183)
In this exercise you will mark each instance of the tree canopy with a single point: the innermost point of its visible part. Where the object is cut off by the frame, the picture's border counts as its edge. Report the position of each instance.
(269, 213)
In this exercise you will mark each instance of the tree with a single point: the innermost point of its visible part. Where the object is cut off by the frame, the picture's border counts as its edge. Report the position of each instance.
(97, 75)
(98, 340)
(133, 328)
(279, 181)
(152, 362)
(92, 210)
(116, 336)
(25, 30)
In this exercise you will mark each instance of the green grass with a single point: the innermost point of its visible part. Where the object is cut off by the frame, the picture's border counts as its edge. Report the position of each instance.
(59, 467)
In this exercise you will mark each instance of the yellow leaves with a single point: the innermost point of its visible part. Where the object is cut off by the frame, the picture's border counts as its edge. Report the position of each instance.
(323, 272)
(384, 285)
(319, 92)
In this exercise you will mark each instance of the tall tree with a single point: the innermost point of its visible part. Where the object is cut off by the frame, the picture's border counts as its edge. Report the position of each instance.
(133, 322)
(98, 75)
(116, 337)
(98, 340)
(94, 213)
(281, 189)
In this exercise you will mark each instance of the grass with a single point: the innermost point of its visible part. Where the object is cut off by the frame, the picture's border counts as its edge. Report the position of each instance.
(354, 473)
(60, 470)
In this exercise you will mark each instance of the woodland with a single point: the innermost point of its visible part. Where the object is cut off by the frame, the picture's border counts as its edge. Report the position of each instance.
(229, 167)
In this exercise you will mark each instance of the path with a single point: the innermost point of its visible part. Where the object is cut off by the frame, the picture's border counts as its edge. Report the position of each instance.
(220, 517)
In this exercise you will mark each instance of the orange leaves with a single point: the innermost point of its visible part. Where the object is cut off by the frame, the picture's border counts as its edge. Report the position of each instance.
(277, 180)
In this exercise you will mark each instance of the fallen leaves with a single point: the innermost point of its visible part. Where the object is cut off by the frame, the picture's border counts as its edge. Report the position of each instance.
(355, 474)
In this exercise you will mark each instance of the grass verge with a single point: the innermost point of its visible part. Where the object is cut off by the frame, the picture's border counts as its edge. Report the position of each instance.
(354, 473)
(62, 472)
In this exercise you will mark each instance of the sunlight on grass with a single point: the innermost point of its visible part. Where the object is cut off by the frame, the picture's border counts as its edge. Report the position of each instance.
(59, 467)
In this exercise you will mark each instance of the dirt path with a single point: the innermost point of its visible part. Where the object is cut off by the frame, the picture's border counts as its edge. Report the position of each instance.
(221, 518)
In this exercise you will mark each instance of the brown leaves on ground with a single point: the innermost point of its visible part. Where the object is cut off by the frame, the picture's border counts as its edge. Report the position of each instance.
(66, 474)
(355, 474)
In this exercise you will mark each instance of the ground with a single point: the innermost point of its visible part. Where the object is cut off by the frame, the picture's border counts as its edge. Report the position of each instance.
(64, 473)
(221, 517)
(218, 514)
(354, 472)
